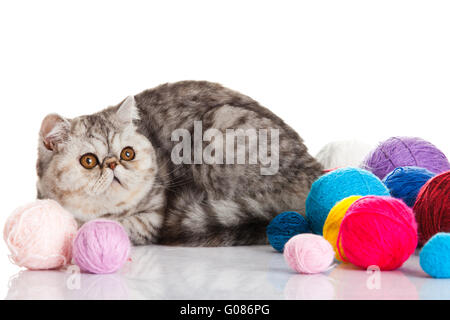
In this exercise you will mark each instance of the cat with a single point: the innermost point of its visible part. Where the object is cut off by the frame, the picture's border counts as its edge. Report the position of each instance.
(119, 164)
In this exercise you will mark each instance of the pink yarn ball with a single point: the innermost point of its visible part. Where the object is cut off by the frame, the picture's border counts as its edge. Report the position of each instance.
(39, 235)
(308, 253)
(378, 231)
(101, 246)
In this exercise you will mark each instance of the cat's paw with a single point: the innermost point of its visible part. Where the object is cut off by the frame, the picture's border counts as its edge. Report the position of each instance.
(138, 233)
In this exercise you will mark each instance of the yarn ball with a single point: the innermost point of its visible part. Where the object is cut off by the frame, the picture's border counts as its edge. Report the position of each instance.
(432, 207)
(39, 235)
(335, 186)
(405, 182)
(378, 231)
(284, 226)
(308, 253)
(101, 246)
(346, 153)
(405, 151)
(333, 222)
(435, 256)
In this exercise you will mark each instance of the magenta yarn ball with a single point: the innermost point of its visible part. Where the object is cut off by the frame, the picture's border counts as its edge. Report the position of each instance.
(308, 253)
(101, 246)
(378, 231)
(405, 151)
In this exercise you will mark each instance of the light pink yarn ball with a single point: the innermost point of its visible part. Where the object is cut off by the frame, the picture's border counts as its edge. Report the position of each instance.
(308, 253)
(39, 235)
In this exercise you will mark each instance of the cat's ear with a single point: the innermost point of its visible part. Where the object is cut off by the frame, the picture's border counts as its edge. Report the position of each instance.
(127, 111)
(54, 131)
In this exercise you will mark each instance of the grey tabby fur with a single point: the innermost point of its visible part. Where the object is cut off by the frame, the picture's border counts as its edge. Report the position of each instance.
(154, 199)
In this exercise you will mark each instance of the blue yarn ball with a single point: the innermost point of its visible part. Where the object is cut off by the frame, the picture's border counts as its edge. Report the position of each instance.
(284, 226)
(336, 185)
(435, 256)
(405, 182)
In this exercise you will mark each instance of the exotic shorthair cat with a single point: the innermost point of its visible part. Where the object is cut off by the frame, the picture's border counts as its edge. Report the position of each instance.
(123, 164)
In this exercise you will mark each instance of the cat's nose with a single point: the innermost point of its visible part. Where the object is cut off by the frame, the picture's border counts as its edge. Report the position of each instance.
(111, 163)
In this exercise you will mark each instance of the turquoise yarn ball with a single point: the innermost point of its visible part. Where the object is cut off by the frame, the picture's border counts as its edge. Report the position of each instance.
(284, 226)
(405, 182)
(435, 256)
(336, 185)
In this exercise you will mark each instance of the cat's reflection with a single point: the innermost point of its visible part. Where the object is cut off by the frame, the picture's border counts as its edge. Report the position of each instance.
(159, 272)
(199, 273)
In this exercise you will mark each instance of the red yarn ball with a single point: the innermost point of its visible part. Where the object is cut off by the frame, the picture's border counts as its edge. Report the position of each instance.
(432, 207)
(378, 231)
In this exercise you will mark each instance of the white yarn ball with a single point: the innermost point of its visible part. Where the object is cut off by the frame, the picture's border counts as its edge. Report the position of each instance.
(346, 153)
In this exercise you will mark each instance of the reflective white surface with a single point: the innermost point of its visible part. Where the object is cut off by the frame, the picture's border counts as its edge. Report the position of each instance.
(255, 273)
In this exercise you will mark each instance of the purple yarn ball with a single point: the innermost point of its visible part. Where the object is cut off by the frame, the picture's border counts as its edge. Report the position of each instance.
(405, 151)
(101, 247)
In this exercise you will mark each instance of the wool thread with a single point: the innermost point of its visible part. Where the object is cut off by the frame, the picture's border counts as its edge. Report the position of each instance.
(335, 186)
(405, 183)
(308, 254)
(432, 207)
(378, 230)
(435, 256)
(333, 223)
(405, 151)
(284, 226)
(39, 235)
(101, 247)
(345, 153)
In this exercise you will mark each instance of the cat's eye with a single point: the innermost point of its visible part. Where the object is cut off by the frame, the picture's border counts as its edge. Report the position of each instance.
(89, 161)
(128, 154)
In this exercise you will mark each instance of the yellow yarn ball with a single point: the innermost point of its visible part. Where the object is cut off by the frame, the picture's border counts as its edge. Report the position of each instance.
(333, 223)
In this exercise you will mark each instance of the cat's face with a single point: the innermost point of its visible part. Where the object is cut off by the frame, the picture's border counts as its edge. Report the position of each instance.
(95, 165)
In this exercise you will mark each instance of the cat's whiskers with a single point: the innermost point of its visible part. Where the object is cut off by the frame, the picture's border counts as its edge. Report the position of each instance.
(176, 169)
(171, 185)
(102, 183)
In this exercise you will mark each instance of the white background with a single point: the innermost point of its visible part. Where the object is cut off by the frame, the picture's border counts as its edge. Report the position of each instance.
(331, 69)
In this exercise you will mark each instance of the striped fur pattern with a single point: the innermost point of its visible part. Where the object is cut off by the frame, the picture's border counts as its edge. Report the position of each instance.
(156, 200)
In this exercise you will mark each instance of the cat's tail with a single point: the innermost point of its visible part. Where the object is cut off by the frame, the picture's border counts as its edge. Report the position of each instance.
(220, 236)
